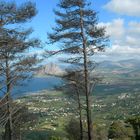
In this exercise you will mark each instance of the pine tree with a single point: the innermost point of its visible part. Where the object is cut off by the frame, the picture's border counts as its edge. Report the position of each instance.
(79, 37)
(15, 65)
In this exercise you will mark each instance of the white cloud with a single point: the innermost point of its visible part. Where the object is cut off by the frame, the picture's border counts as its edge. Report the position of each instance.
(124, 39)
(134, 23)
(132, 41)
(124, 7)
(115, 28)
(124, 50)
(121, 34)
(134, 28)
(117, 52)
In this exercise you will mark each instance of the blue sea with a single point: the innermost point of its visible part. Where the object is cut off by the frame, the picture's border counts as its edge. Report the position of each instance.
(36, 84)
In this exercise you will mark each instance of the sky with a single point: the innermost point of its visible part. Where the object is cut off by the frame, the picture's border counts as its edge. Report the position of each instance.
(120, 17)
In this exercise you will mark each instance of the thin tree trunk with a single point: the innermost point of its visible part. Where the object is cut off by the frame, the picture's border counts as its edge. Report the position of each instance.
(8, 126)
(88, 108)
(81, 124)
(7, 135)
(80, 114)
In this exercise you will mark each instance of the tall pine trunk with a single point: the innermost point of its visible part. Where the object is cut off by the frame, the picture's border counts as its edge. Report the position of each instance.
(88, 107)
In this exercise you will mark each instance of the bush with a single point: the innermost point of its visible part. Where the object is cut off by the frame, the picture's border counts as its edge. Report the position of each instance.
(36, 135)
(73, 130)
(121, 131)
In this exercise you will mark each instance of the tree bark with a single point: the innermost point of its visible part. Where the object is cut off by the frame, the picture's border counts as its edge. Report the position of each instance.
(8, 126)
(88, 108)
(80, 114)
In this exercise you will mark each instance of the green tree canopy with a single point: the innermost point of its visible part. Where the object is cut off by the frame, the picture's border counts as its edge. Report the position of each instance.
(119, 130)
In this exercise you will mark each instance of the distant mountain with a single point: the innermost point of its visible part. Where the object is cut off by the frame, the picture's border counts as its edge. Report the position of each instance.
(119, 71)
(112, 70)
(131, 63)
(109, 65)
(127, 64)
(50, 69)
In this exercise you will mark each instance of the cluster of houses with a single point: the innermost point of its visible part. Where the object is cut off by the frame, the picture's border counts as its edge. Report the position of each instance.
(52, 108)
